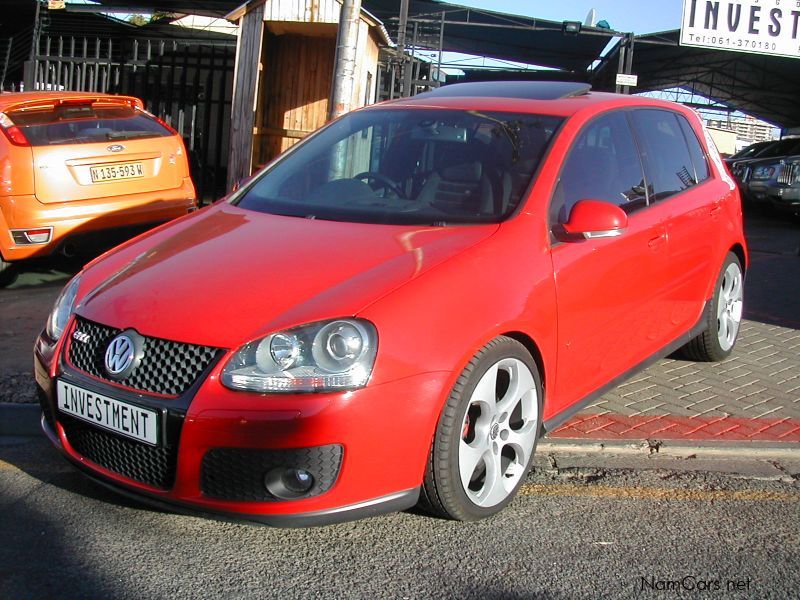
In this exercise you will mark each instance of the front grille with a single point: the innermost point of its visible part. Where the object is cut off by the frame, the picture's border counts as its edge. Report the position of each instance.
(238, 473)
(167, 367)
(789, 174)
(152, 465)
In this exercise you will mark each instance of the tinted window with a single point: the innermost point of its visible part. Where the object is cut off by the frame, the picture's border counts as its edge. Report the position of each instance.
(752, 150)
(666, 157)
(783, 147)
(696, 151)
(603, 164)
(408, 166)
(86, 123)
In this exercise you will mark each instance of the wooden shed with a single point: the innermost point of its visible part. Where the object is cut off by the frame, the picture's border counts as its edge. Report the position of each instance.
(284, 69)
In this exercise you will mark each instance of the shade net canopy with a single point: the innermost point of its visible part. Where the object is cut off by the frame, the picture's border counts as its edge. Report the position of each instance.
(467, 30)
(767, 87)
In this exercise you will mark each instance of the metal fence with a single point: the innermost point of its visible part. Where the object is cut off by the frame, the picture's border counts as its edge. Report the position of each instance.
(188, 84)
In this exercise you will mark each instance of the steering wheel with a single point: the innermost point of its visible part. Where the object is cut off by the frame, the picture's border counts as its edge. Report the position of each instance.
(383, 180)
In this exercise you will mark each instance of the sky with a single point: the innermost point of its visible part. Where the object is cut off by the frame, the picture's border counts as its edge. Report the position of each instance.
(637, 16)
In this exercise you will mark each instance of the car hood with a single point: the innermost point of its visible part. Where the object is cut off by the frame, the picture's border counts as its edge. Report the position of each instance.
(227, 275)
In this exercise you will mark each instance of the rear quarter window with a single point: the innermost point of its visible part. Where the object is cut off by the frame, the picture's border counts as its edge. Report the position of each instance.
(696, 152)
(86, 124)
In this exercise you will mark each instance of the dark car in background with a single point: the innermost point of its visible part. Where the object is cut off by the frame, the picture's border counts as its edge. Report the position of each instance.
(776, 183)
(751, 151)
(743, 170)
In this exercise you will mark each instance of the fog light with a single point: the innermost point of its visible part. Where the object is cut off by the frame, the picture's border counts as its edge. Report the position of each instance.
(288, 483)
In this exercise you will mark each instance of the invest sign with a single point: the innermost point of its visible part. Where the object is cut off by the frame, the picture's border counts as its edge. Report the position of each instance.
(754, 26)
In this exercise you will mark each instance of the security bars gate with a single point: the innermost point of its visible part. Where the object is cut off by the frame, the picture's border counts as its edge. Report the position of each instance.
(186, 83)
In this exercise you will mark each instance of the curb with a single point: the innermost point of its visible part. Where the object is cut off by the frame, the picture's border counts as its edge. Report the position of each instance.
(20, 420)
(672, 448)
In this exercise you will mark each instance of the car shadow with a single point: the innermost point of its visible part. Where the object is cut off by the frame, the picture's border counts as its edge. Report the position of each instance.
(38, 459)
(772, 287)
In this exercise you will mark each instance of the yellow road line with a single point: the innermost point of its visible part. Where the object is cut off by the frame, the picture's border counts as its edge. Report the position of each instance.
(4, 466)
(654, 493)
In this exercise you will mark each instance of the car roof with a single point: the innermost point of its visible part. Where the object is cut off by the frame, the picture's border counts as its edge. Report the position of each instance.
(538, 97)
(20, 99)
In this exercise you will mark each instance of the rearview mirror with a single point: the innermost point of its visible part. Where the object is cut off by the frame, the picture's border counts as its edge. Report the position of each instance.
(596, 219)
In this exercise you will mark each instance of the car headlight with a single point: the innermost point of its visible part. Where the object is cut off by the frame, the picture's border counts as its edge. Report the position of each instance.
(62, 309)
(763, 172)
(324, 356)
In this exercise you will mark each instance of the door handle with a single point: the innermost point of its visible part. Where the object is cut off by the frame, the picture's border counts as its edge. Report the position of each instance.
(657, 241)
(715, 209)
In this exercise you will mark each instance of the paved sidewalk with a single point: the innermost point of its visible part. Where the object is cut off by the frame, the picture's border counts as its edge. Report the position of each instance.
(754, 396)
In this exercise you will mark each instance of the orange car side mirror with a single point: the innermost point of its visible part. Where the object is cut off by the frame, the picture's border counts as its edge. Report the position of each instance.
(596, 219)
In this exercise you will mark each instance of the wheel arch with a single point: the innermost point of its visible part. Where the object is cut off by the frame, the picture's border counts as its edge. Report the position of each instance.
(740, 253)
(536, 354)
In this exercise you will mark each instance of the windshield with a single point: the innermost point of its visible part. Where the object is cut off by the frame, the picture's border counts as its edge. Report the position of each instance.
(85, 124)
(781, 148)
(751, 150)
(408, 166)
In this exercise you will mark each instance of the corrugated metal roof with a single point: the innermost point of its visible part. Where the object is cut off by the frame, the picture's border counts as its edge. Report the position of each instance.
(764, 86)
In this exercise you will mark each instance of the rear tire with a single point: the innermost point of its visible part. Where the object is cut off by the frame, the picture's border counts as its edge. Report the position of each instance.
(486, 436)
(7, 273)
(724, 316)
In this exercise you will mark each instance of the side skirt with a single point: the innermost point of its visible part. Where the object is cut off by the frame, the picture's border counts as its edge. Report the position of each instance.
(562, 417)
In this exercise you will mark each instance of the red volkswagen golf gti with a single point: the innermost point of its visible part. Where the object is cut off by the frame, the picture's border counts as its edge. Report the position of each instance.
(395, 310)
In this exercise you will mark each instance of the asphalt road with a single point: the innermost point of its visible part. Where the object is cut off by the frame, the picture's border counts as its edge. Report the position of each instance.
(625, 533)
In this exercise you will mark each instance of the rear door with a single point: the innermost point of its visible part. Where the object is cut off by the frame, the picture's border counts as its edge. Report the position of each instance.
(688, 200)
(98, 150)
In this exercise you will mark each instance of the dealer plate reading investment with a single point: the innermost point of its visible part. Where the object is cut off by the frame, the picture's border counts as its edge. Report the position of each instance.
(129, 420)
(103, 173)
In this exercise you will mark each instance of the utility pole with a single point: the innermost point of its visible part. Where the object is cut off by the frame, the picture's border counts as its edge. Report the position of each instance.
(345, 63)
(29, 66)
(401, 49)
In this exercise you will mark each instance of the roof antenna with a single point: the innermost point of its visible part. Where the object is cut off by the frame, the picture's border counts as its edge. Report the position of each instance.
(591, 18)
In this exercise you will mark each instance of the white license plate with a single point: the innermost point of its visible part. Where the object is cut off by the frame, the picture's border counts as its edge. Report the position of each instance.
(115, 172)
(123, 418)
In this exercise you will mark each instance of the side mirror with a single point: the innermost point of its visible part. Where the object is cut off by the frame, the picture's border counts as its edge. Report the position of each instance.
(596, 219)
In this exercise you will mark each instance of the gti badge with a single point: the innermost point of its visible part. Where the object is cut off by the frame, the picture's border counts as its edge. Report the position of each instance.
(115, 148)
(124, 354)
(81, 336)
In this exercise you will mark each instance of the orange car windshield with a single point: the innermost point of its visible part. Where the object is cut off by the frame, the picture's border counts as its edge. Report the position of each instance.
(85, 124)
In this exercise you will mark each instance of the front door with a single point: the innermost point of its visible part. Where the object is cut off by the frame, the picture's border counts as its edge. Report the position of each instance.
(609, 290)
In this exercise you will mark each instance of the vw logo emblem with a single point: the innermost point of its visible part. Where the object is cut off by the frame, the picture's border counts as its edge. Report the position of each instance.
(123, 355)
(115, 148)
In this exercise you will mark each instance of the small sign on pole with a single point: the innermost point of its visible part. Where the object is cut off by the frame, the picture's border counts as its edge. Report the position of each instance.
(629, 80)
(56, 4)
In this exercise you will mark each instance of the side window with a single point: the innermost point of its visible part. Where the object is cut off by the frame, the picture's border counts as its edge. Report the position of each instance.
(603, 164)
(666, 157)
(696, 151)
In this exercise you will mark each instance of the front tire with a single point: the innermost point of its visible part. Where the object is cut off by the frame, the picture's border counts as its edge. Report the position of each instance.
(724, 317)
(484, 443)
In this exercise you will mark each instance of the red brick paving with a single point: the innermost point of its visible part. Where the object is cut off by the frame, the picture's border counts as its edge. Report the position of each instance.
(612, 426)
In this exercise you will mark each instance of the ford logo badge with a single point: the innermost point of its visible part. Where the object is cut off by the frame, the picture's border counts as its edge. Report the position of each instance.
(116, 148)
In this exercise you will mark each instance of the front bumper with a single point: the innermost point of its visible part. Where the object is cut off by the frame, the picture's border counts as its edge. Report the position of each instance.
(384, 432)
(781, 196)
(73, 220)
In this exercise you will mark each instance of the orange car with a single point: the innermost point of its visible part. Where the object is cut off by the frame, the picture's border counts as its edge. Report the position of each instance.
(75, 163)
